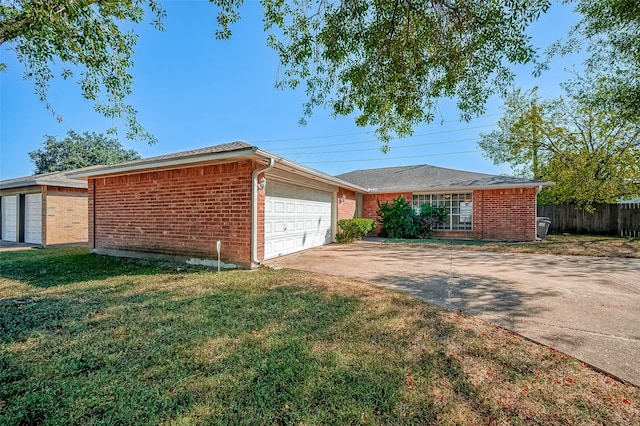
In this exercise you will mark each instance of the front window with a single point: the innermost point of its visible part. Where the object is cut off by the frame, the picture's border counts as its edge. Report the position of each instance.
(459, 209)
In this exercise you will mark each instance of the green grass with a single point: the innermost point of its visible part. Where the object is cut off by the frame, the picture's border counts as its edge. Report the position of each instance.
(555, 244)
(87, 339)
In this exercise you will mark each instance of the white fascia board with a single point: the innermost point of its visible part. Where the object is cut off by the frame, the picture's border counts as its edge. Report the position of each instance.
(45, 182)
(152, 164)
(445, 189)
(65, 184)
(316, 174)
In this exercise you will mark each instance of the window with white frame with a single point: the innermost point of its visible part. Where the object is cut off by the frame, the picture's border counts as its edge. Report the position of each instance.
(459, 208)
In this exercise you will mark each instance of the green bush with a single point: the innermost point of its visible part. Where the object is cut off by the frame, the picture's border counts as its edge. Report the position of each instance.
(399, 219)
(353, 229)
(428, 217)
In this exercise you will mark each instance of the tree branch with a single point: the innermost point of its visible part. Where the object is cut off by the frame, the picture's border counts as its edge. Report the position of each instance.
(27, 20)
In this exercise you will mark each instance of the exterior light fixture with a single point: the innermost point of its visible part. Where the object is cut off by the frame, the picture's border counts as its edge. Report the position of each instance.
(262, 183)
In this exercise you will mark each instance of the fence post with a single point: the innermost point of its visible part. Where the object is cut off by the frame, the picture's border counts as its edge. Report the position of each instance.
(620, 232)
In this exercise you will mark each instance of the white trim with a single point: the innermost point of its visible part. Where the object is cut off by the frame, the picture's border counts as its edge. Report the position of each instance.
(442, 190)
(254, 210)
(45, 182)
(152, 163)
(299, 180)
(316, 174)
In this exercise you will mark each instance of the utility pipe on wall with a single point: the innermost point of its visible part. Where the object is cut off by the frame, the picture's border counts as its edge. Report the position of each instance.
(254, 209)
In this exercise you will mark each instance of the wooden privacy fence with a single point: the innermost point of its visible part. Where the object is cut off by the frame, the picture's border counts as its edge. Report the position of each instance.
(607, 219)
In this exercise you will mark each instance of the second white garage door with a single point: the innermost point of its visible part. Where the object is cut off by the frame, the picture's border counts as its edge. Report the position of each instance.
(33, 218)
(295, 219)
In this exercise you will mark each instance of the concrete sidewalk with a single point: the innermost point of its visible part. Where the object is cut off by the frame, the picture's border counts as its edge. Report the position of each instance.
(587, 307)
(12, 246)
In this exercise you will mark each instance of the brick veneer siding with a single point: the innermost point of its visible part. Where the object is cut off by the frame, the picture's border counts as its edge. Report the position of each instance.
(346, 207)
(505, 214)
(176, 212)
(499, 214)
(65, 216)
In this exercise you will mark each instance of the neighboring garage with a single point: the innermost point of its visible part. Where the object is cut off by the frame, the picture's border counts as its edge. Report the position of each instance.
(295, 218)
(47, 209)
(33, 218)
(22, 218)
(9, 220)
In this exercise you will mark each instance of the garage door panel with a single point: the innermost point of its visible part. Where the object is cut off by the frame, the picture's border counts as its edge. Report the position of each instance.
(33, 219)
(299, 218)
(9, 218)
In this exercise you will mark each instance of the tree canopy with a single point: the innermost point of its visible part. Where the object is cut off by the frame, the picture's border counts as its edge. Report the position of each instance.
(592, 153)
(390, 61)
(387, 62)
(610, 32)
(85, 37)
(76, 151)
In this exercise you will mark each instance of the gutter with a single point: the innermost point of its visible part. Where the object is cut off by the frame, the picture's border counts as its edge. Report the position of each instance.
(331, 180)
(254, 209)
(433, 190)
(155, 163)
(44, 182)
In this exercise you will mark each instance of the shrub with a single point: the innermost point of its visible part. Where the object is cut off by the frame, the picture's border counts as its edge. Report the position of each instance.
(428, 217)
(353, 229)
(397, 219)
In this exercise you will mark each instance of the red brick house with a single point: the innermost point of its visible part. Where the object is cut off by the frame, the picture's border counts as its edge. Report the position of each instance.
(260, 206)
(48, 209)
(479, 206)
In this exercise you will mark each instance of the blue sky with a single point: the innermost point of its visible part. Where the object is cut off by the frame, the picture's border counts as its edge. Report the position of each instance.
(192, 91)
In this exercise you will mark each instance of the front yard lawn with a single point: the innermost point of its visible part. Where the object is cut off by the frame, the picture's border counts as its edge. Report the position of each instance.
(556, 244)
(86, 339)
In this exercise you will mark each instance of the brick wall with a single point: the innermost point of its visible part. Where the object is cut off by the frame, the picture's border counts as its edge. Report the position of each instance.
(65, 216)
(500, 214)
(346, 207)
(505, 214)
(177, 212)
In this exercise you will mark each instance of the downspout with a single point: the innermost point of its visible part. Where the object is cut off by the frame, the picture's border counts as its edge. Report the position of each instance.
(94, 227)
(254, 209)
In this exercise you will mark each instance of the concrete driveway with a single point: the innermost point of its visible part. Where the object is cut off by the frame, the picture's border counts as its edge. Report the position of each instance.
(587, 307)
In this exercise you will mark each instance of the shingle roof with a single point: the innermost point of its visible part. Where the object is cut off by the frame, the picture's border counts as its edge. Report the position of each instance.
(225, 147)
(51, 179)
(391, 179)
(182, 157)
(431, 178)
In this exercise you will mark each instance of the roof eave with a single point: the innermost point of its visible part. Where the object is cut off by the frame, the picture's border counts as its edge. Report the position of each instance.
(163, 164)
(544, 184)
(312, 172)
(44, 182)
(203, 158)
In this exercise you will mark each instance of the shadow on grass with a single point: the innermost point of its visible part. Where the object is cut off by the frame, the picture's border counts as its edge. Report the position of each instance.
(215, 348)
(54, 267)
(259, 347)
(231, 354)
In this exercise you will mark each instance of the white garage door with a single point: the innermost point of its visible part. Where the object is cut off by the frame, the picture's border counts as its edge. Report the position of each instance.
(295, 218)
(9, 218)
(33, 219)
